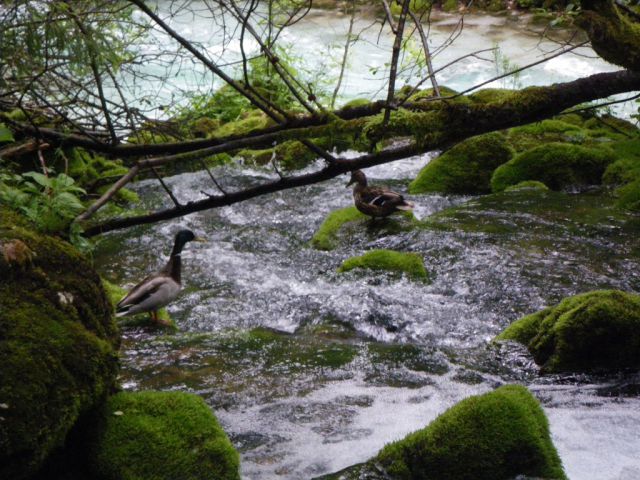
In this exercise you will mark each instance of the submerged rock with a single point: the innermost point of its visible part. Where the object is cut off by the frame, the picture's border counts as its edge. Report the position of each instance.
(159, 435)
(495, 436)
(593, 331)
(466, 168)
(58, 345)
(557, 165)
(410, 264)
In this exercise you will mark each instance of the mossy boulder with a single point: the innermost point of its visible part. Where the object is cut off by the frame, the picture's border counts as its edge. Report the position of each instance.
(626, 168)
(557, 165)
(593, 331)
(338, 225)
(494, 436)
(466, 168)
(326, 236)
(410, 264)
(159, 435)
(500, 435)
(629, 196)
(558, 129)
(58, 344)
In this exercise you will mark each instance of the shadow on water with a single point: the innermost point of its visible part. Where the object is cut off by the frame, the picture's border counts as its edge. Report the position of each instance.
(311, 371)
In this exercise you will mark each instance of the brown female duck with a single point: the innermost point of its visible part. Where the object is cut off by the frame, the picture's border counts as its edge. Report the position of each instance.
(375, 201)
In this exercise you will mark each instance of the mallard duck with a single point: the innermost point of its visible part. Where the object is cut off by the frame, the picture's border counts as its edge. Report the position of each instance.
(160, 288)
(375, 201)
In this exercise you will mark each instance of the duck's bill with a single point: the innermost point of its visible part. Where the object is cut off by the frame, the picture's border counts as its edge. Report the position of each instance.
(200, 239)
(349, 184)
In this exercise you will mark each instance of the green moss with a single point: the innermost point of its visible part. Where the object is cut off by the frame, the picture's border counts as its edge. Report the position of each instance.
(557, 165)
(160, 435)
(491, 95)
(252, 121)
(629, 196)
(627, 166)
(355, 103)
(450, 5)
(495, 436)
(410, 264)
(598, 330)
(414, 357)
(464, 169)
(416, 6)
(527, 185)
(429, 93)
(326, 236)
(58, 345)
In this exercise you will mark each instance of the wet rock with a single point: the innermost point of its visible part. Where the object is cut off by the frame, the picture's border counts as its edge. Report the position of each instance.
(593, 331)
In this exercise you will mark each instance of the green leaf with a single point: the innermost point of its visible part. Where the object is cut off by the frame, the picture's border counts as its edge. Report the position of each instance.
(39, 178)
(5, 134)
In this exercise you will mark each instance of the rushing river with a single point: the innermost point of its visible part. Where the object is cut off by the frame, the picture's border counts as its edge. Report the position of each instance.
(310, 371)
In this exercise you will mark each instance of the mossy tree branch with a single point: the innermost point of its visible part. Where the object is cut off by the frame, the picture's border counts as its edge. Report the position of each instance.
(444, 124)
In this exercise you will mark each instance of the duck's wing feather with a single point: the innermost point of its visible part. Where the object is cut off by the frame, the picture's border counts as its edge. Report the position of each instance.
(143, 290)
(380, 197)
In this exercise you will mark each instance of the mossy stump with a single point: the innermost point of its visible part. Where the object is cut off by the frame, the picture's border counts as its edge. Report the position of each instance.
(159, 435)
(594, 331)
(58, 344)
(410, 264)
(466, 168)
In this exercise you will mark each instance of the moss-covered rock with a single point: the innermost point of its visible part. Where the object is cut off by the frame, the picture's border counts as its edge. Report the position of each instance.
(533, 135)
(348, 224)
(629, 196)
(494, 436)
(593, 331)
(326, 236)
(500, 435)
(159, 435)
(557, 165)
(410, 264)
(58, 344)
(466, 168)
(527, 185)
(626, 168)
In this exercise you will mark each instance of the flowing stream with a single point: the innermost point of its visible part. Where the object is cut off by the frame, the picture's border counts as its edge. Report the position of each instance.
(310, 371)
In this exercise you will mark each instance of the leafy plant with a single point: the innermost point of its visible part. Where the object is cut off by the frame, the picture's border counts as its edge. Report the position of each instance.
(50, 202)
(504, 66)
(5, 134)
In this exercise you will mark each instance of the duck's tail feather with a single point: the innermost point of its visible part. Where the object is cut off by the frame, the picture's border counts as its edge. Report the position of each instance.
(122, 311)
(407, 206)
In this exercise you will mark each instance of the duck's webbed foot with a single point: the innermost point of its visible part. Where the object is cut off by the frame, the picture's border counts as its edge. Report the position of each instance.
(159, 321)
